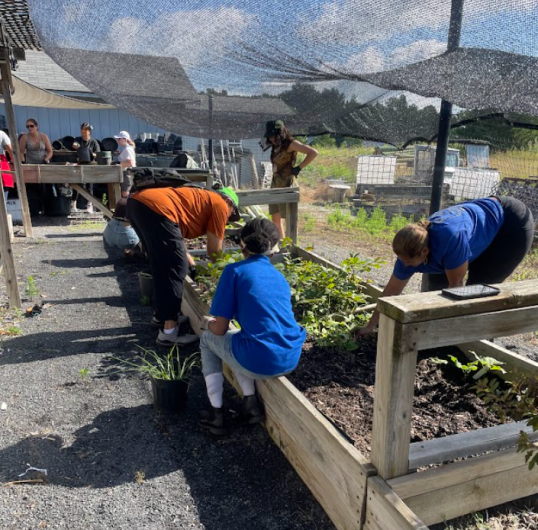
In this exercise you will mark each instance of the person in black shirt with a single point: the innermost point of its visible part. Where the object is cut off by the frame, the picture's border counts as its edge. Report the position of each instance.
(87, 149)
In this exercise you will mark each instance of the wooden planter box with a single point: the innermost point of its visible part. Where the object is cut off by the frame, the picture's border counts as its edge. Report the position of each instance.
(342, 479)
(386, 494)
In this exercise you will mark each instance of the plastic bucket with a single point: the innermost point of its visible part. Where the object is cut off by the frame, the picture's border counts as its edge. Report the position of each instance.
(104, 158)
(68, 141)
(169, 396)
(109, 144)
(57, 145)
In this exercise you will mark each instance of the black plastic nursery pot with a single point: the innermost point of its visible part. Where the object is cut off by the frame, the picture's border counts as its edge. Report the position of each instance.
(169, 396)
(146, 286)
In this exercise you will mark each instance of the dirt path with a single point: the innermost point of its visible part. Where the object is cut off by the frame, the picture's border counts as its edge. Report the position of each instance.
(111, 462)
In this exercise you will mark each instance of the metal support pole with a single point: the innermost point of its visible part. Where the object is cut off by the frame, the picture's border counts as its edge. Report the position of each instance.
(12, 126)
(210, 143)
(445, 114)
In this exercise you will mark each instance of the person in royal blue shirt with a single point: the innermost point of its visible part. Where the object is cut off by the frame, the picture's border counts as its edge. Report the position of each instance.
(270, 341)
(485, 239)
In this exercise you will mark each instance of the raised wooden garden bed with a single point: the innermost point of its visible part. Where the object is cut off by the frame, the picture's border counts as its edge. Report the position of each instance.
(387, 493)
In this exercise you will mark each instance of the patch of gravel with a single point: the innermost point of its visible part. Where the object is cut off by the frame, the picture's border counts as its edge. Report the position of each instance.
(111, 461)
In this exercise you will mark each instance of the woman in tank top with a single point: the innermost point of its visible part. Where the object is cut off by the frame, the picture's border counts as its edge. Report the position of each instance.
(284, 149)
(35, 146)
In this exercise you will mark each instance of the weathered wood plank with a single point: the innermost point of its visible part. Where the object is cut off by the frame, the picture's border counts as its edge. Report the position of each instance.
(433, 305)
(96, 202)
(513, 361)
(6, 253)
(369, 289)
(456, 489)
(393, 402)
(269, 196)
(467, 444)
(52, 174)
(17, 162)
(331, 467)
(292, 220)
(458, 330)
(386, 511)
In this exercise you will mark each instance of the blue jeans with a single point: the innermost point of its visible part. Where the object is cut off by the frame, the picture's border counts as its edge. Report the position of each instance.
(119, 236)
(218, 348)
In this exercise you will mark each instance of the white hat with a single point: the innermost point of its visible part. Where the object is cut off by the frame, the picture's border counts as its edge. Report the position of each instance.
(123, 134)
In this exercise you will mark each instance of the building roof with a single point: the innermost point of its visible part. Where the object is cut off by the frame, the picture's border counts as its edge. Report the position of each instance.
(20, 29)
(41, 71)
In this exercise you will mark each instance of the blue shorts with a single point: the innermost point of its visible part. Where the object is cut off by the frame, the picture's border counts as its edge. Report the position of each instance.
(119, 236)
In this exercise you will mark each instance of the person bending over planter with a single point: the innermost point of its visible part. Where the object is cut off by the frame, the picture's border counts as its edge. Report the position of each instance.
(486, 239)
(269, 342)
(162, 218)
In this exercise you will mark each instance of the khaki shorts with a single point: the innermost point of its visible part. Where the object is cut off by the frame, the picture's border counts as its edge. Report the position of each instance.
(282, 181)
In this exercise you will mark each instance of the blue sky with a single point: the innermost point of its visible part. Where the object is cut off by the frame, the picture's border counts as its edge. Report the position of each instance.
(354, 34)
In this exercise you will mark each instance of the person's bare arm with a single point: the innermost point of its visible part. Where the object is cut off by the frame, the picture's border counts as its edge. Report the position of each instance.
(219, 326)
(214, 246)
(456, 277)
(48, 147)
(190, 259)
(393, 288)
(310, 152)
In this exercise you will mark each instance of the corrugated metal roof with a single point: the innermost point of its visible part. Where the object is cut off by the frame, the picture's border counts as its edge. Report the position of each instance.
(41, 71)
(15, 17)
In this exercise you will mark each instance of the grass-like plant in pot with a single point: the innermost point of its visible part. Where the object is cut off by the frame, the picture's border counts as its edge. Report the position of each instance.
(169, 374)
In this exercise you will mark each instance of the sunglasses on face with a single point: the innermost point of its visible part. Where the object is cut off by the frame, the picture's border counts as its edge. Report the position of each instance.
(30, 126)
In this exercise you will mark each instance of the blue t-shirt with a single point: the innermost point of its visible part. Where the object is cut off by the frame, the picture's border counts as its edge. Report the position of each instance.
(457, 234)
(258, 296)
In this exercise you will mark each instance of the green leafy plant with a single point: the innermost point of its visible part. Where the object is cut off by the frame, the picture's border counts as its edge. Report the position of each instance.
(145, 301)
(31, 289)
(324, 299)
(481, 365)
(515, 398)
(84, 373)
(14, 330)
(170, 367)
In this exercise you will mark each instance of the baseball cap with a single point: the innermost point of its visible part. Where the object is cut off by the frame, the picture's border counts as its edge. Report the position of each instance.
(123, 134)
(230, 194)
(272, 127)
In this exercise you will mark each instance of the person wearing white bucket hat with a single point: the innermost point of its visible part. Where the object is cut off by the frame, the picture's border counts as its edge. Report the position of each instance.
(126, 158)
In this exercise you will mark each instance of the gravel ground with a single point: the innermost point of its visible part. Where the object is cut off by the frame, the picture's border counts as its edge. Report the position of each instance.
(111, 461)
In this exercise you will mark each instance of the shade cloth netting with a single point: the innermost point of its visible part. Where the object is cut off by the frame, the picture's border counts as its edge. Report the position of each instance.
(371, 50)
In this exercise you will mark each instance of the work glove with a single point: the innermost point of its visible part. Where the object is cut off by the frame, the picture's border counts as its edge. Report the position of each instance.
(296, 170)
(204, 324)
(192, 273)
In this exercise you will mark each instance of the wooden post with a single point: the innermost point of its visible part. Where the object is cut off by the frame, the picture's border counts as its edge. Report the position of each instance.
(292, 220)
(12, 126)
(393, 402)
(6, 253)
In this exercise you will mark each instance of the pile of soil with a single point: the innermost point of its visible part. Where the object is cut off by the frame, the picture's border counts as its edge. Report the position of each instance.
(341, 386)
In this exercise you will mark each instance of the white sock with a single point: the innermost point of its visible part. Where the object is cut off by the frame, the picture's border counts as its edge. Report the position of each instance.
(246, 384)
(215, 388)
(169, 331)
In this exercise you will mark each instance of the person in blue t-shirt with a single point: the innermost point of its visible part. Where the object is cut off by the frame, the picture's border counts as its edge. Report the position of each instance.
(269, 342)
(485, 239)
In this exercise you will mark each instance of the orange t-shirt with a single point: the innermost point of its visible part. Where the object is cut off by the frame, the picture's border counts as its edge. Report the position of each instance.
(196, 211)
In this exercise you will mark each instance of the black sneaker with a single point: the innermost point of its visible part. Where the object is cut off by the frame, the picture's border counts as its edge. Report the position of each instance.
(212, 420)
(251, 411)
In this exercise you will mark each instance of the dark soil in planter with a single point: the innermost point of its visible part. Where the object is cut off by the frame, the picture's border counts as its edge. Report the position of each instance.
(341, 386)
(201, 243)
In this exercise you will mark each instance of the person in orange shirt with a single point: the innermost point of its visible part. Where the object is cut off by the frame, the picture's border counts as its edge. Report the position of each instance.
(163, 218)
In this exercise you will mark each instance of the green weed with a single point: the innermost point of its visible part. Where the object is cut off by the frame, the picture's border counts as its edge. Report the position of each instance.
(309, 222)
(31, 289)
(84, 373)
(14, 330)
